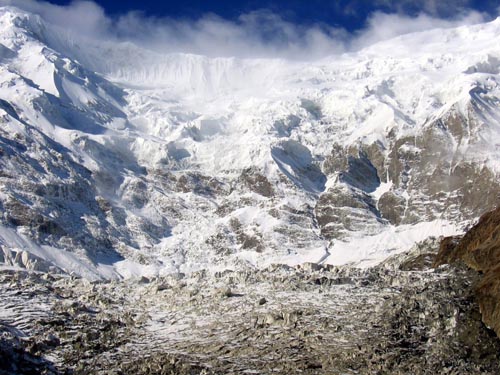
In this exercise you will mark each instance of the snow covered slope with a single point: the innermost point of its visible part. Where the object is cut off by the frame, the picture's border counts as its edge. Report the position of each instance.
(117, 161)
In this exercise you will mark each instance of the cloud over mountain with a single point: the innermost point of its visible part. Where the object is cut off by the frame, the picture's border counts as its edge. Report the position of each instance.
(259, 33)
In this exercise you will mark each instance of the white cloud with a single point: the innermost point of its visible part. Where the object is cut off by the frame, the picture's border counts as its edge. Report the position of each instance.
(381, 26)
(257, 34)
(82, 17)
(448, 8)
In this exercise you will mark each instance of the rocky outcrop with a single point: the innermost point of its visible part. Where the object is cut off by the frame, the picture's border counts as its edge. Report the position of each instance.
(479, 249)
(257, 182)
(343, 209)
(430, 173)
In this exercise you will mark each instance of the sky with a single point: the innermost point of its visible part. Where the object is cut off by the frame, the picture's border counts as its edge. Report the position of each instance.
(292, 29)
(348, 14)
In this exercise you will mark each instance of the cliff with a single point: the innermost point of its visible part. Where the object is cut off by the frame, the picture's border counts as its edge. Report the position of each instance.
(479, 249)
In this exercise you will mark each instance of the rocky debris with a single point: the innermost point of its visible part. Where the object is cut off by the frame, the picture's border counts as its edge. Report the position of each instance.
(68, 320)
(400, 317)
(18, 356)
(225, 292)
(138, 174)
(479, 249)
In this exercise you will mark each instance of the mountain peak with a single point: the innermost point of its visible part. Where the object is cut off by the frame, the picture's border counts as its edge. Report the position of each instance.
(141, 162)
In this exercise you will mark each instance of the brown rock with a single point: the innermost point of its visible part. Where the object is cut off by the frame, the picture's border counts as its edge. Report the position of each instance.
(257, 182)
(480, 250)
(392, 207)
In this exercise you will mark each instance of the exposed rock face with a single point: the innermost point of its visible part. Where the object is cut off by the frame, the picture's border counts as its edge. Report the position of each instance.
(343, 209)
(257, 182)
(392, 207)
(347, 206)
(431, 168)
(479, 249)
(100, 163)
(429, 173)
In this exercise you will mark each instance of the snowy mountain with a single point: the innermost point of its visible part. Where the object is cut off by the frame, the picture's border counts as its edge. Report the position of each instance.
(118, 161)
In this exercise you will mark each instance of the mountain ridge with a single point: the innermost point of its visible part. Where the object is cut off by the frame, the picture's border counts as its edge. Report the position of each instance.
(189, 162)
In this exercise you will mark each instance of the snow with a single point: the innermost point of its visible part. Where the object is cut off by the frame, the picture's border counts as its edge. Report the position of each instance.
(370, 250)
(69, 262)
(122, 110)
(383, 188)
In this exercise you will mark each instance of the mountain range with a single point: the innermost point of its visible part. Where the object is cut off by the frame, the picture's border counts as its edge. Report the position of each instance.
(117, 161)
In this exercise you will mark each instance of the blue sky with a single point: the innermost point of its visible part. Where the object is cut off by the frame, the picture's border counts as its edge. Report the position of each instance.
(290, 29)
(348, 14)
